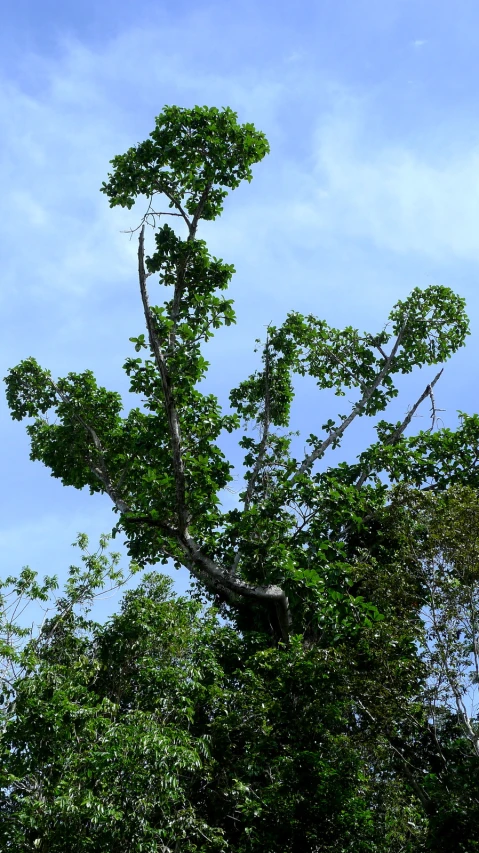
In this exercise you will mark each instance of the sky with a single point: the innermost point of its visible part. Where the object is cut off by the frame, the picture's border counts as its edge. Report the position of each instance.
(371, 189)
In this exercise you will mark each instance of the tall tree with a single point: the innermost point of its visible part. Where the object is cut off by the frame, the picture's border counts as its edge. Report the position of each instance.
(313, 550)
(161, 465)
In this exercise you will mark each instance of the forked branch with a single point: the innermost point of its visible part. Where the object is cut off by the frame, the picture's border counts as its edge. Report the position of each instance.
(214, 576)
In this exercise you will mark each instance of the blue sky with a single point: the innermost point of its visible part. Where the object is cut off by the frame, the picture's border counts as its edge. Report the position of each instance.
(371, 188)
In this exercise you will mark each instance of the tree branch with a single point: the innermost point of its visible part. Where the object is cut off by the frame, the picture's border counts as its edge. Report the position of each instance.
(264, 439)
(226, 583)
(233, 589)
(181, 270)
(178, 206)
(261, 451)
(199, 564)
(396, 435)
(171, 411)
(199, 210)
(101, 471)
(337, 433)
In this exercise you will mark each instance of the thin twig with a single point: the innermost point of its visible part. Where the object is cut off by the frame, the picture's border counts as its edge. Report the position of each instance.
(264, 438)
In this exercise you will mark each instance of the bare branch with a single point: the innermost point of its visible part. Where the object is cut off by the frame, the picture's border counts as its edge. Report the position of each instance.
(150, 213)
(264, 439)
(178, 206)
(358, 408)
(396, 435)
(163, 213)
(434, 410)
(380, 349)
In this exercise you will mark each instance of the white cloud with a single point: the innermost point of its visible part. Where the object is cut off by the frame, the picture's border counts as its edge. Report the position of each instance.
(402, 198)
(90, 104)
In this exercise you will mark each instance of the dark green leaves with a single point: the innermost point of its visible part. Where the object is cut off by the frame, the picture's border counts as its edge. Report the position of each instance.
(193, 156)
(29, 390)
(434, 325)
(164, 726)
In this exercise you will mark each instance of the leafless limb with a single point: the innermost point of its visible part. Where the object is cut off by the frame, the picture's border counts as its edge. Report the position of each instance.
(264, 438)
(176, 203)
(434, 410)
(357, 409)
(396, 435)
(151, 214)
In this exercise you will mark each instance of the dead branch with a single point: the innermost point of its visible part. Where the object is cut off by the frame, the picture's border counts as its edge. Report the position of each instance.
(396, 435)
(358, 408)
(264, 438)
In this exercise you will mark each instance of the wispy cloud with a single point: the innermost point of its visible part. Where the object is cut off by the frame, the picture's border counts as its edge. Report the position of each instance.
(404, 198)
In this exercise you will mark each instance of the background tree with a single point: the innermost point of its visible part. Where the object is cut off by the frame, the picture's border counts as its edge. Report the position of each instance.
(166, 730)
(441, 539)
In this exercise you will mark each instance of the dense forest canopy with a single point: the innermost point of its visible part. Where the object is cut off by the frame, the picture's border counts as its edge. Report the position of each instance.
(316, 690)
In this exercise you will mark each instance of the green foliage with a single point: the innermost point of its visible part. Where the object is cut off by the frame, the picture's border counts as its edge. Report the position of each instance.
(192, 157)
(164, 729)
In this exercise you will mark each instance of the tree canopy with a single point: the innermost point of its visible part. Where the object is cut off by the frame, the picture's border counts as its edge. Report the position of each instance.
(310, 695)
